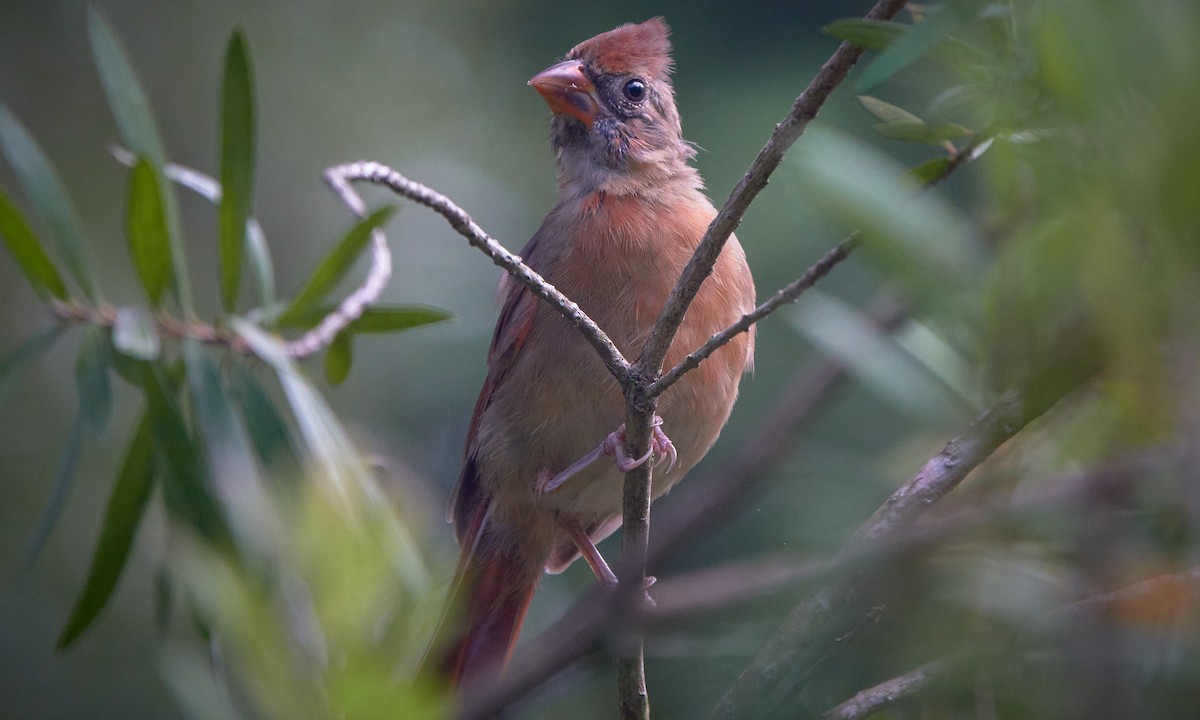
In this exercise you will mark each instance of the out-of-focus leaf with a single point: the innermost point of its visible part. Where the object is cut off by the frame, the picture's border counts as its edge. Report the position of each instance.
(187, 494)
(28, 252)
(125, 508)
(929, 170)
(866, 34)
(48, 196)
(268, 431)
(64, 478)
(887, 112)
(338, 358)
(14, 365)
(126, 98)
(163, 596)
(921, 240)
(259, 256)
(146, 228)
(375, 319)
(919, 132)
(237, 164)
(131, 110)
(875, 359)
(234, 477)
(918, 42)
(134, 334)
(92, 381)
(337, 263)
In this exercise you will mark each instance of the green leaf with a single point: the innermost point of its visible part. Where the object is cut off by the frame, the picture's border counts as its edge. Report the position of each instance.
(919, 132)
(336, 264)
(338, 358)
(139, 132)
(184, 486)
(92, 380)
(886, 111)
(268, 431)
(259, 256)
(13, 366)
(64, 478)
(28, 253)
(49, 198)
(126, 98)
(375, 319)
(920, 41)
(237, 164)
(125, 509)
(146, 228)
(134, 334)
(930, 170)
(876, 360)
(866, 34)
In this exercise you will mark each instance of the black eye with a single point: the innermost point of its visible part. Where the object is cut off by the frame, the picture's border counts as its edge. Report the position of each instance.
(635, 90)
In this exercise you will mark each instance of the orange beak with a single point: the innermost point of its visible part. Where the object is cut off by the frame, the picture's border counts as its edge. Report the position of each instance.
(568, 90)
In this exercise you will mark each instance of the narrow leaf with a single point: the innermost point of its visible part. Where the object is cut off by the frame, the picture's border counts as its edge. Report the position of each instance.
(866, 34)
(929, 170)
(268, 431)
(919, 132)
(134, 334)
(49, 198)
(146, 228)
(126, 98)
(918, 42)
(64, 478)
(125, 509)
(186, 492)
(259, 256)
(92, 380)
(886, 111)
(338, 358)
(14, 365)
(237, 165)
(28, 253)
(337, 263)
(375, 319)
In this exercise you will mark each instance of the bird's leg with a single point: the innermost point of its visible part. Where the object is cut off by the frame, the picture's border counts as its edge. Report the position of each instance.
(604, 574)
(614, 445)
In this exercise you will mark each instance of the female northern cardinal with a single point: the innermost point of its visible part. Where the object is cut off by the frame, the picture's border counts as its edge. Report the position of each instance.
(630, 212)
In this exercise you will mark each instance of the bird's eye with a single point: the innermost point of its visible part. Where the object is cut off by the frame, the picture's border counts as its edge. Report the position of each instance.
(635, 90)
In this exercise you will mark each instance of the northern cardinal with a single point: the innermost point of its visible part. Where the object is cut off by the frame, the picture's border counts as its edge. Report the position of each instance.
(630, 212)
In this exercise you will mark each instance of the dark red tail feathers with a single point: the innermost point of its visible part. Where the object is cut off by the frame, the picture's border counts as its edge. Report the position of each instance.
(488, 601)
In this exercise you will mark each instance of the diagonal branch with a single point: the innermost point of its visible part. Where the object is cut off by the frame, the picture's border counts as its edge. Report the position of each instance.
(376, 173)
(806, 107)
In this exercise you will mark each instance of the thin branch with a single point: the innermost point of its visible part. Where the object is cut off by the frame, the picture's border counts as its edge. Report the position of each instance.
(811, 630)
(887, 693)
(789, 293)
(806, 107)
(378, 174)
(164, 325)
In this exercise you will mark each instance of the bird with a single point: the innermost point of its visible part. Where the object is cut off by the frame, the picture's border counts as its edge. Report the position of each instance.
(535, 492)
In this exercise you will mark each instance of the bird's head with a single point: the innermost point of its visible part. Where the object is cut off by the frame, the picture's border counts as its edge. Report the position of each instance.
(615, 126)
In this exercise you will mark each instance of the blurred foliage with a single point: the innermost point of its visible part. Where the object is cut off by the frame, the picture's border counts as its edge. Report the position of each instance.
(291, 582)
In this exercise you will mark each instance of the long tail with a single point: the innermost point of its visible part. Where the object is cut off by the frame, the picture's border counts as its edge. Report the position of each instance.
(488, 601)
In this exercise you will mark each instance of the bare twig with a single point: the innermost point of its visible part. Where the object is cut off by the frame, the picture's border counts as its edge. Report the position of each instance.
(164, 325)
(341, 176)
(874, 699)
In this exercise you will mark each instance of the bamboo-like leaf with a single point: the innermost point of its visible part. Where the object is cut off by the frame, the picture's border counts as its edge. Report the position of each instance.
(184, 487)
(135, 481)
(268, 431)
(375, 319)
(49, 198)
(14, 365)
(336, 264)
(866, 34)
(92, 380)
(146, 229)
(64, 478)
(24, 247)
(920, 41)
(237, 164)
(134, 334)
(259, 256)
(929, 170)
(887, 112)
(919, 132)
(338, 358)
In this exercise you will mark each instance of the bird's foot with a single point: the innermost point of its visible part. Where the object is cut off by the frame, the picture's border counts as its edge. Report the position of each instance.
(614, 445)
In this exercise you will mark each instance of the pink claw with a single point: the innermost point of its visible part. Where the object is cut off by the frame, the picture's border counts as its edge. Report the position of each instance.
(614, 445)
